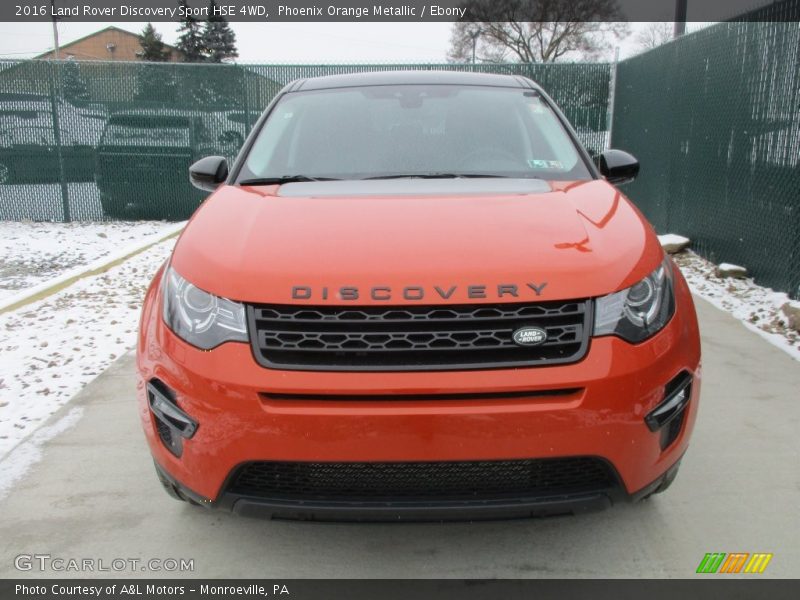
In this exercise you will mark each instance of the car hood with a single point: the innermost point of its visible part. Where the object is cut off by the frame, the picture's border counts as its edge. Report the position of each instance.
(457, 243)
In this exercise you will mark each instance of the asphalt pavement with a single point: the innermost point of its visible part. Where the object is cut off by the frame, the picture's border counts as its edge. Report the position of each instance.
(94, 495)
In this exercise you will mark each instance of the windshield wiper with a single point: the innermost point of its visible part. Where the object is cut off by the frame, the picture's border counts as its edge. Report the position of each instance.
(284, 179)
(437, 176)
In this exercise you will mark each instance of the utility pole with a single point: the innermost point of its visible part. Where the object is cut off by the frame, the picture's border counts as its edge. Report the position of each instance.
(680, 18)
(55, 103)
(474, 34)
(55, 28)
(612, 95)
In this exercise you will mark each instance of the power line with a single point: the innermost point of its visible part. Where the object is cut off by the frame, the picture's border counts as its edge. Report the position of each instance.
(25, 52)
(25, 34)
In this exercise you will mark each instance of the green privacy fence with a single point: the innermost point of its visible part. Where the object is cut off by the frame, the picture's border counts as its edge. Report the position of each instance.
(105, 140)
(714, 119)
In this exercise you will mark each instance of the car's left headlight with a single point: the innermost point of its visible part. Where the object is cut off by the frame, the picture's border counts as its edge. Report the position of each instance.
(200, 318)
(640, 311)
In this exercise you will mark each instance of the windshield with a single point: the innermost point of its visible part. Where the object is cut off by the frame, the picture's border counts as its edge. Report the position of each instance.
(413, 130)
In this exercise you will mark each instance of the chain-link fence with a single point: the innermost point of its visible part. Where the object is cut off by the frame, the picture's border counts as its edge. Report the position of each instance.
(714, 118)
(95, 140)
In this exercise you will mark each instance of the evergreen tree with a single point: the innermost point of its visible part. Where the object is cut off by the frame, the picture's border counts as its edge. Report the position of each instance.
(219, 40)
(191, 42)
(153, 49)
(73, 84)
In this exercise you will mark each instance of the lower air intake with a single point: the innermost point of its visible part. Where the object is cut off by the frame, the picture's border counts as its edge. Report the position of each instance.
(438, 481)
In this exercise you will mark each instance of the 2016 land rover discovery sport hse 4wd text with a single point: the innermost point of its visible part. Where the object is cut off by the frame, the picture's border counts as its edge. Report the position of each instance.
(415, 296)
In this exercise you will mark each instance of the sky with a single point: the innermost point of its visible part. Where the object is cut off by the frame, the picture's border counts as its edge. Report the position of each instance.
(286, 43)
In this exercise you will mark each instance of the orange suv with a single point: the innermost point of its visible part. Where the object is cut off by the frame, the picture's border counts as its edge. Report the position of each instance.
(415, 296)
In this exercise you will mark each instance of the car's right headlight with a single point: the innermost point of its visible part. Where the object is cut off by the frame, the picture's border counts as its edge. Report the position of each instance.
(640, 311)
(199, 318)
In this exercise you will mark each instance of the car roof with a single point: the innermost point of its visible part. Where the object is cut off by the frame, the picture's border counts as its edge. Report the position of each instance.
(155, 112)
(411, 78)
(23, 97)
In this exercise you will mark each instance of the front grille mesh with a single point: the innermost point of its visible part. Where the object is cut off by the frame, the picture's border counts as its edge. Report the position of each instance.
(474, 480)
(416, 337)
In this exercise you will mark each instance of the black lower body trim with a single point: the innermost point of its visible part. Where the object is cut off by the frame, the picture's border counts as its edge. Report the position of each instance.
(416, 512)
(409, 511)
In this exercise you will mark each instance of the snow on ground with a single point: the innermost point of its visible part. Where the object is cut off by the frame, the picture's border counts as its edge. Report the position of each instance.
(33, 253)
(759, 308)
(53, 347)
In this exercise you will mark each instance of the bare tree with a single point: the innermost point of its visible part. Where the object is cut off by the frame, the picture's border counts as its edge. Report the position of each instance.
(536, 30)
(653, 35)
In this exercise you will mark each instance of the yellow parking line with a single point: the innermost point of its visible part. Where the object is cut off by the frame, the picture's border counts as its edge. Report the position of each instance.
(57, 287)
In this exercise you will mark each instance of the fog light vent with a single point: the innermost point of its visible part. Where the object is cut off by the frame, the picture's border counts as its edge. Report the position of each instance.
(172, 424)
(668, 416)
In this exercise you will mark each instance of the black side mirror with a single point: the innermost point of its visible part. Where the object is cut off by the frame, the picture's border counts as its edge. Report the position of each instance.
(208, 173)
(618, 167)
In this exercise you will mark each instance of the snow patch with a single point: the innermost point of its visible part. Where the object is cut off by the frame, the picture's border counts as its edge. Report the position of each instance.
(730, 267)
(97, 264)
(759, 308)
(673, 244)
(29, 452)
(35, 256)
(671, 238)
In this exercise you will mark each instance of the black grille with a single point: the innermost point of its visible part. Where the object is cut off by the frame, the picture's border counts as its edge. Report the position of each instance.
(416, 337)
(478, 480)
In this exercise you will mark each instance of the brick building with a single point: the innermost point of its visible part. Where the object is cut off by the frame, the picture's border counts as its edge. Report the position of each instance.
(111, 43)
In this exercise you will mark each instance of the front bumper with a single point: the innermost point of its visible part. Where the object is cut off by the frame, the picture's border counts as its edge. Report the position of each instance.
(247, 413)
